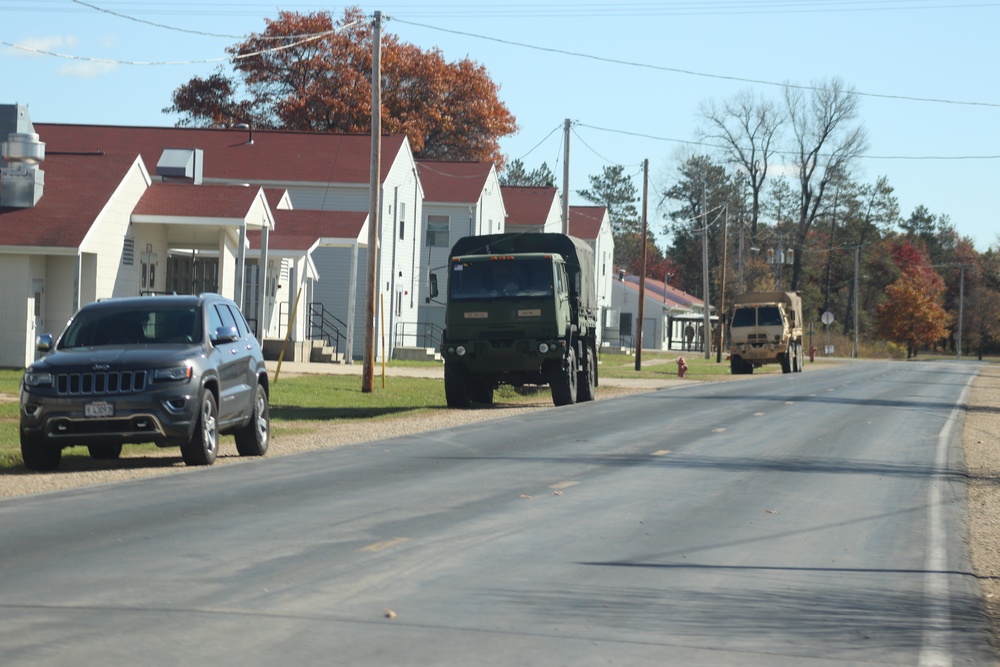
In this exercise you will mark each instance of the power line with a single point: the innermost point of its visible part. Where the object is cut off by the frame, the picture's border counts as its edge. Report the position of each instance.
(716, 146)
(676, 70)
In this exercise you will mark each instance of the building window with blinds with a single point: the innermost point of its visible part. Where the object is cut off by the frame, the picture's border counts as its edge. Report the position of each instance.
(437, 231)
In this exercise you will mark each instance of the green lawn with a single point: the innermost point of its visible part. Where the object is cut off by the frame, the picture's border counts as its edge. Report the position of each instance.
(296, 402)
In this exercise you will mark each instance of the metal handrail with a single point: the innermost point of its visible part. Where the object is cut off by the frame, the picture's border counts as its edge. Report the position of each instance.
(325, 326)
(423, 334)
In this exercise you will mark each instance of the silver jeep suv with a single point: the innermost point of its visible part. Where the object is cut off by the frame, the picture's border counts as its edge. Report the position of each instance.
(176, 371)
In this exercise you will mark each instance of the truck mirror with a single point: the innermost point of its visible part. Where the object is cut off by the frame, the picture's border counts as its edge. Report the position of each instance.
(433, 285)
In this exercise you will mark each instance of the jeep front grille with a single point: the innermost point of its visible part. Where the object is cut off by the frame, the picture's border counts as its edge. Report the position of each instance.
(100, 383)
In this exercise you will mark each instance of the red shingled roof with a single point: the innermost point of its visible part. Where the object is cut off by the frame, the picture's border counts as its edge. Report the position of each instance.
(273, 156)
(299, 230)
(585, 221)
(184, 200)
(527, 205)
(77, 188)
(453, 182)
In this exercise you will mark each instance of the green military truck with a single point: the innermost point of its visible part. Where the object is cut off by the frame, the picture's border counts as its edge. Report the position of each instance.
(521, 310)
(766, 328)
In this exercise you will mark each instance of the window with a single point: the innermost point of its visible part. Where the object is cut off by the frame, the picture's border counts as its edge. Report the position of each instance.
(402, 219)
(437, 231)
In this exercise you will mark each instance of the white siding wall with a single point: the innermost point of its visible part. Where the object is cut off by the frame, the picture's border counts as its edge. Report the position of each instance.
(106, 235)
(15, 343)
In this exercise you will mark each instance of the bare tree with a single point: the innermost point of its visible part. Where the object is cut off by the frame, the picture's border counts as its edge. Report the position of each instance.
(748, 128)
(826, 141)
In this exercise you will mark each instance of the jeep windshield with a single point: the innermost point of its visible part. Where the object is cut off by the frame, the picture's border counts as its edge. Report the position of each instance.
(489, 278)
(152, 325)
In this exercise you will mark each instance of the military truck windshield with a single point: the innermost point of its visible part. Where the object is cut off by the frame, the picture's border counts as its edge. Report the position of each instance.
(498, 278)
(769, 316)
(155, 325)
(765, 316)
(745, 317)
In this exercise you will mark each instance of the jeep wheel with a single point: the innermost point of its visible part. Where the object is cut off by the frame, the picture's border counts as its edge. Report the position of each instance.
(456, 390)
(204, 444)
(105, 452)
(38, 455)
(564, 384)
(253, 439)
(587, 378)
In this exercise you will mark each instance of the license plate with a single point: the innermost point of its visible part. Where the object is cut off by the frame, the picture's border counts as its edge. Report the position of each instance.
(99, 409)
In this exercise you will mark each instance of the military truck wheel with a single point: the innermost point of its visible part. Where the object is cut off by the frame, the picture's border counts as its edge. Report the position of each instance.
(799, 361)
(786, 361)
(587, 378)
(481, 391)
(564, 383)
(456, 390)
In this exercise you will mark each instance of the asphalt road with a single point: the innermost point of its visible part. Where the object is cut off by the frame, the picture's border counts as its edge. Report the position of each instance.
(804, 519)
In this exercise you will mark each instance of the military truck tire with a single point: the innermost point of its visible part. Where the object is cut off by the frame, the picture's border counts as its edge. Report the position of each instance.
(799, 361)
(740, 366)
(456, 389)
(481, 391)
(587, 378)
(565, 382)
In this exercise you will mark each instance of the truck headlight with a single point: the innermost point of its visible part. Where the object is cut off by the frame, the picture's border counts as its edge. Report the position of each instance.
(543, 347)
(460, 350)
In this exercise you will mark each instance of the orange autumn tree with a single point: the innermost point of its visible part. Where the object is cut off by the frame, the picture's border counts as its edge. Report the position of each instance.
(912, 314)
(306, 72)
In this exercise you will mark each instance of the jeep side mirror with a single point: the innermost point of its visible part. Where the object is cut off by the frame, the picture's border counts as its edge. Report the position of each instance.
(43, 343)
(225, 335)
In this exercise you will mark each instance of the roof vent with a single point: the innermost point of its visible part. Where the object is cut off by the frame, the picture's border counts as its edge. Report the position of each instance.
(21, 181)
(181, 164)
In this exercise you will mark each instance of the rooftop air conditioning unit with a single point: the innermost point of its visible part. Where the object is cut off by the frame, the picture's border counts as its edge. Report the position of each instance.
(21, 181)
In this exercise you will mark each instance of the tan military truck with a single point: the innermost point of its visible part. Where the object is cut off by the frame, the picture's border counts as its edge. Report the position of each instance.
(765, 328)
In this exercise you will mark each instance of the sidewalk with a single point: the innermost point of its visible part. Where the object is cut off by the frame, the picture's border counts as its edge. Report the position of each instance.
(293, 368)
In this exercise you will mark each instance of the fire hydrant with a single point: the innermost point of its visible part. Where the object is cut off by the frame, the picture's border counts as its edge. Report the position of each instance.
(812, 354)
(682, 367)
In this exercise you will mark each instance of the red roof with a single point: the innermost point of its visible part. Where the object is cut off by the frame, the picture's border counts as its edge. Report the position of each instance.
(77, 188)
(585, 221)
(453, 182)
(274, 155)
(299, 230)
(527, 205)
(183, 200)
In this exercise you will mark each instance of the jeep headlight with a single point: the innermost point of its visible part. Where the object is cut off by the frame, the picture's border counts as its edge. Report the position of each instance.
(173, 373)
(37, 379)
(460, 350)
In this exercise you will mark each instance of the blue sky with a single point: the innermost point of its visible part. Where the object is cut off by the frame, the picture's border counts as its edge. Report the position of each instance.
(630, 75)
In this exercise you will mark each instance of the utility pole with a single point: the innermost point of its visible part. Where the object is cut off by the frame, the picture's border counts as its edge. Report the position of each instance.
(706, 337)
(857, 267)
(961, 309)
(722, 289)
(565, 202)
(642, 266)
(371, 277)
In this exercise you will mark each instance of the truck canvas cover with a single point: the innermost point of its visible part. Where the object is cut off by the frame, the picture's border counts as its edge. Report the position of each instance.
(576, 252)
